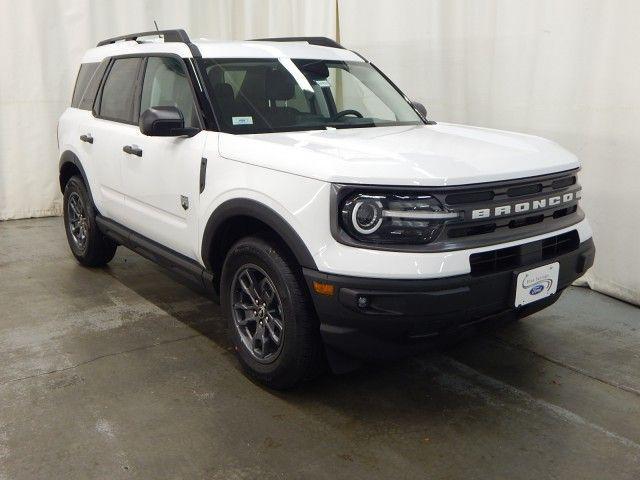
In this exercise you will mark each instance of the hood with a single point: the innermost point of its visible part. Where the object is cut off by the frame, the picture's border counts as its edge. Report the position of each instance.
(421, 155)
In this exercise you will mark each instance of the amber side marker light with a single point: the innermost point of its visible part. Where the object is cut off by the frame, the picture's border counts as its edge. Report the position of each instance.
(323, 288)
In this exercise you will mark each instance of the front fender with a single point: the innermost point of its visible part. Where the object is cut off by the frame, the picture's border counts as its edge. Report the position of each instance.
(254, 209)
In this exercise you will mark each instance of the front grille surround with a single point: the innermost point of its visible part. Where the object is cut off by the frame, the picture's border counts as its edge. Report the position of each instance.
(466, 232)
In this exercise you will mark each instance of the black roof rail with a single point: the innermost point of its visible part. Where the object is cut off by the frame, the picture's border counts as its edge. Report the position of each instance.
(321, 41)
(178, 35)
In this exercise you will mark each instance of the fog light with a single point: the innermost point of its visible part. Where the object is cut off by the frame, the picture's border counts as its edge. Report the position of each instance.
(363, 302)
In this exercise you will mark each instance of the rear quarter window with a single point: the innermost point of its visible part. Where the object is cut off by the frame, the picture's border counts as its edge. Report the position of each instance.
(88, 99)
(82, 82)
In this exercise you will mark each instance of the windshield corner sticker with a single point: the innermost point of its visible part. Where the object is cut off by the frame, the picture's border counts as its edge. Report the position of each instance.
(323, 83)
(242, 120)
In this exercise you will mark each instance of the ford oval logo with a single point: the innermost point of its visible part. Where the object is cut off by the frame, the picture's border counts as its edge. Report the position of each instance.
(536, 289)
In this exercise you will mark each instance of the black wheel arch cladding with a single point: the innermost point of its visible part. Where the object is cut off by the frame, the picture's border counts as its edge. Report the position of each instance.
(243, 207)
(69, 160)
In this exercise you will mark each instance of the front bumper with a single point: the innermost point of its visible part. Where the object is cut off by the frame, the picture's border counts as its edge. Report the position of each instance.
(401, 317)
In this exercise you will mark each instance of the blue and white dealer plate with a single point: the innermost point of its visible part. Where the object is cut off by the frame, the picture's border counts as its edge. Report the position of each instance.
(536, 284)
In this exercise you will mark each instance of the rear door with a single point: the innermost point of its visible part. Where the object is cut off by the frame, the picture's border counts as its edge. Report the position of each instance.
(80, 126)
(110, 129)
(161, 185)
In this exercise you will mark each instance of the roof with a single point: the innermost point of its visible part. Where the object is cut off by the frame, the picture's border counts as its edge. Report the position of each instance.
(223, 49)
(271, 49)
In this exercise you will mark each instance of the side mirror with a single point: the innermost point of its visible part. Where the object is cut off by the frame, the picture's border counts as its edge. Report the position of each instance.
(423, 112)
(420, 108)
(164, 122)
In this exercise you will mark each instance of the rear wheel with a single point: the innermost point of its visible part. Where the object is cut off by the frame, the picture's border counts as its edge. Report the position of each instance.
(87, 243)
(272, 323)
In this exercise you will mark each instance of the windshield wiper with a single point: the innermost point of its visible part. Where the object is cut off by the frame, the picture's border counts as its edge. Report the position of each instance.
(350, 125)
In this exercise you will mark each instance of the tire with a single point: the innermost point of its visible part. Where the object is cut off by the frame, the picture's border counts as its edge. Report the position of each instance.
(90, 247)
(299, 356)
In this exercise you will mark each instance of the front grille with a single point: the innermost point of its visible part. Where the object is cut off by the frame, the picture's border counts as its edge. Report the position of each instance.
(521, 255)
(489, 196)
(472, 197)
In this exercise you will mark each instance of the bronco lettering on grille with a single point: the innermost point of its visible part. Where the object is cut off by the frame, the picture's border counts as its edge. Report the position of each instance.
(523, 207)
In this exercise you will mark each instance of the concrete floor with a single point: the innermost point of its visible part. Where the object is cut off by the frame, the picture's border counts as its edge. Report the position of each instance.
(125, 373)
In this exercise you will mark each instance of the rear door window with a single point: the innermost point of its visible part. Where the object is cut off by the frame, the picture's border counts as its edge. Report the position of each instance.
(119, 90)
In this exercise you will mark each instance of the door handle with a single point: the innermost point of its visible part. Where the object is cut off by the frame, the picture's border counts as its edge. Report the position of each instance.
(86, 138)
(132, 149)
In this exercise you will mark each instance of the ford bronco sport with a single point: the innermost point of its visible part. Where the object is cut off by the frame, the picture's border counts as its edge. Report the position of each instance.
(294, 180)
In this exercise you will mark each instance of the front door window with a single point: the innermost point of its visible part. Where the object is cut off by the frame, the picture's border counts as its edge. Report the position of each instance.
(166, 84)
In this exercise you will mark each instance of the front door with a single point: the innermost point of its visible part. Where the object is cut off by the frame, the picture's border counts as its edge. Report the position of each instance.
(161, 184)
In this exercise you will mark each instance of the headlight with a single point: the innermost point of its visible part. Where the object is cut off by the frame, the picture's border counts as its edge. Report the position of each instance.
(393, 218)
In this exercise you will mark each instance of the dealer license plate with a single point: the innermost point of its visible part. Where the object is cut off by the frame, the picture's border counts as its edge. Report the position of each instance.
(536, 284)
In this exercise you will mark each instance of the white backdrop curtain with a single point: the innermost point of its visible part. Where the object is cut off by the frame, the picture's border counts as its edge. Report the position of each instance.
(566, 70)
(42, 42)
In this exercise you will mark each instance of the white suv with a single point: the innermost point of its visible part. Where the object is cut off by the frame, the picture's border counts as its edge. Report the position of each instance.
(329, 216)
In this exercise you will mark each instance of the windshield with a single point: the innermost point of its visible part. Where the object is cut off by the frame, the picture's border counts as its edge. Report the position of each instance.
(274, 95)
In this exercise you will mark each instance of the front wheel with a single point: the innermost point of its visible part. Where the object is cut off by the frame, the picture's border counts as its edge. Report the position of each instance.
(272, 323)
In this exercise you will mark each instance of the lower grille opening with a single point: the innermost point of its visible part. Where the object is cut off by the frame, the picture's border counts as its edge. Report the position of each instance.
(495, 261)
(527, 254)
(565, 243)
